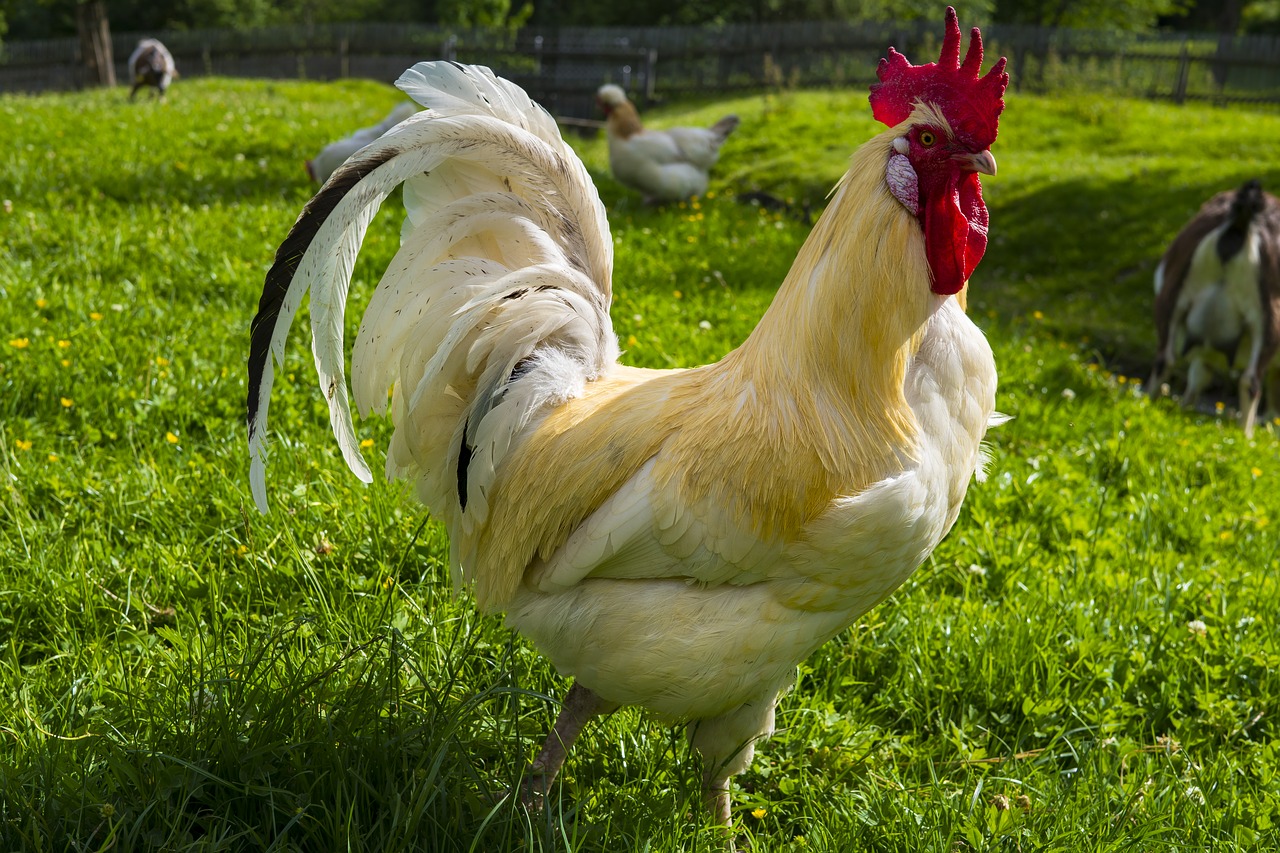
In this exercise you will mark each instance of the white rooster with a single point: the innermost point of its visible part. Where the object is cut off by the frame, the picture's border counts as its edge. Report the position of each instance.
(675, 539)
(664, 165)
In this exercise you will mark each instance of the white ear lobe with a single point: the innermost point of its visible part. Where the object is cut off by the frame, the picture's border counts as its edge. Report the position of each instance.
(902, 182)
(901, 145)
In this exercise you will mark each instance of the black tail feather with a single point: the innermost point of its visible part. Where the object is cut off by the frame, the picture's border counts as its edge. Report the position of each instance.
(278, 279)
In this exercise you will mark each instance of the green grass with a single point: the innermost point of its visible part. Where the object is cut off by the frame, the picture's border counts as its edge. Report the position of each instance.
(178, 672)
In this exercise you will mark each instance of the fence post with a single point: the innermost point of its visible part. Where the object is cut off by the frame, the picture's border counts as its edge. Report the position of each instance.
(650, 74)
(1184, 73)
(344, 58)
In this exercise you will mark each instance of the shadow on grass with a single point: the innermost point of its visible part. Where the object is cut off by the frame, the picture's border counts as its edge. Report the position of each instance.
(1082, 252)
(262, 749)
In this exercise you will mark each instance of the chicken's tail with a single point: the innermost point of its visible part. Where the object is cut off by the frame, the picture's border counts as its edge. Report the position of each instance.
(495, 305)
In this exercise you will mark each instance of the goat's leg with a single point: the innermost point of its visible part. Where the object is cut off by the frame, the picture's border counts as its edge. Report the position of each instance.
(1250, 396)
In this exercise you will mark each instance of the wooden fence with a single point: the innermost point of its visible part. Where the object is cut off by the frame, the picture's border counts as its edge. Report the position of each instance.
(562, 67)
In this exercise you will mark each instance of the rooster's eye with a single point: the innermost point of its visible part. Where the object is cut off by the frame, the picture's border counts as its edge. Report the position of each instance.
(927, 138)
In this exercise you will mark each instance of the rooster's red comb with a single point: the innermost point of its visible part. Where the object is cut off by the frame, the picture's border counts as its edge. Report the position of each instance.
(971, 103)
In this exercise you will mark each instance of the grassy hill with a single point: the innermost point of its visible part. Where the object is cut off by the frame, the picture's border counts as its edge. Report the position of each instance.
(1088, 662)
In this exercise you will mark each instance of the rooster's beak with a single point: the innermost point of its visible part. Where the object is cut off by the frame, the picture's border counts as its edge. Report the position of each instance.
(981, 162)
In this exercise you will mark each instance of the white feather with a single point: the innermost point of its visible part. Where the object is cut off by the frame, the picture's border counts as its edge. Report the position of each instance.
(505, 260)
(451, 89)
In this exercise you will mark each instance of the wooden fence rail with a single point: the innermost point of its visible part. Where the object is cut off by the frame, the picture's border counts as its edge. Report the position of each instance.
(562, 67)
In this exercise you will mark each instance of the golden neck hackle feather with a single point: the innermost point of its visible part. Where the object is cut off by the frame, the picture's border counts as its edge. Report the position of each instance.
(846, 322)
(810, 407)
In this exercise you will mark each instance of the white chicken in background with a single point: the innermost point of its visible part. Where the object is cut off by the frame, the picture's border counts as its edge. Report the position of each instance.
(664, 165)
(1218, 288)
(151, 64)
(678, 540)
(333, 155)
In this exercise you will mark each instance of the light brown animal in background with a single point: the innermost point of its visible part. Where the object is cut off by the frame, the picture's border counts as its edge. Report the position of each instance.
(664, 165)
(678, 540)
(1218, 288)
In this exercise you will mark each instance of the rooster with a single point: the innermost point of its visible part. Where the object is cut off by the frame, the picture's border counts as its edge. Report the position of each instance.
(151, 64)
(678, 540)
(333, 155)
(1218, 287)
(664, 165)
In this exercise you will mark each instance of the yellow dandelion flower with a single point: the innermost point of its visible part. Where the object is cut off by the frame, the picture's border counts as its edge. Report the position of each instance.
(95, 316)
(1226, 536)
(677, 294)
(162, 361)
(759, 813)
(53, 457)
(388, 582)
(66, 362)
(691, 239)
(631, 340)
(1219, 406)
(366, 444)
(1039, 315)
(67, 402)
(1256, 472)
(171, 438)
(42, 302)
(20, 343)
(64, 344)
(22, 445)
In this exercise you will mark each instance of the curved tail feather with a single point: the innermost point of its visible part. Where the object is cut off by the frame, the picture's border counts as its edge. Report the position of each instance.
(495, 305)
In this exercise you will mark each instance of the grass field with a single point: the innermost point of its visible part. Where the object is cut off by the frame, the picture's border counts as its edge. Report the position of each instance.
(1088, 663)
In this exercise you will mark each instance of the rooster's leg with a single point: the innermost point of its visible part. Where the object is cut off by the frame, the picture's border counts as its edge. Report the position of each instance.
(580, 707)
(715, 793)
